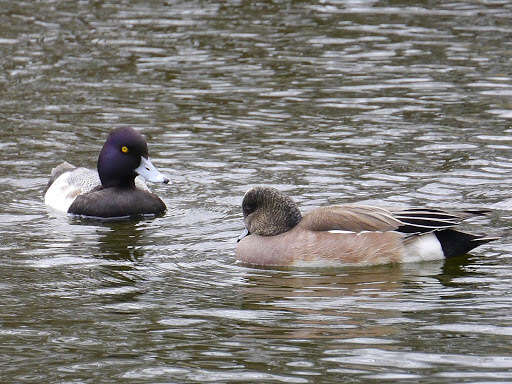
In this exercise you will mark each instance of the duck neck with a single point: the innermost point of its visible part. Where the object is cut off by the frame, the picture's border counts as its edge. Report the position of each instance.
(113, 178)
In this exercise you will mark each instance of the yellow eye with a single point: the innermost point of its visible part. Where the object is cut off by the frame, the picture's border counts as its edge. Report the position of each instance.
(124, 149)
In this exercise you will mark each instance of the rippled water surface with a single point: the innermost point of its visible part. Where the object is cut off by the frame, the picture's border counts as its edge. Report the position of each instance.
(397, 102)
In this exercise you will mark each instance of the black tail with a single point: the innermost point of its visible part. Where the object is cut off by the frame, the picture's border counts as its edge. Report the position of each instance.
(456, 243)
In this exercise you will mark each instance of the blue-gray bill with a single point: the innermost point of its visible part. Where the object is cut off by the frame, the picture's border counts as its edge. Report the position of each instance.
(244, 233)
(148, 171)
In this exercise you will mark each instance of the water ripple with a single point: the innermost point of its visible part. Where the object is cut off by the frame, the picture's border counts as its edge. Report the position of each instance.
(330, 101)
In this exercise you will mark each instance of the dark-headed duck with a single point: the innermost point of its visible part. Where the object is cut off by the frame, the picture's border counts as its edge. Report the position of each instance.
(112, 192)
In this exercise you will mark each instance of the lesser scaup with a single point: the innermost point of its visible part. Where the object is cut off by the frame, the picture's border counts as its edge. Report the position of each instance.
(278, 235)
(112, 191)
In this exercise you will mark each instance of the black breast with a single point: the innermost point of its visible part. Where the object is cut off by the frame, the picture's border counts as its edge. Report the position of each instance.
(117, 202)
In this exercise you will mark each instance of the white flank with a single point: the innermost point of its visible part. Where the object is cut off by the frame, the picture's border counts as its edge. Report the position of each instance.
(423, 248)
(68, 186)
(61, 194)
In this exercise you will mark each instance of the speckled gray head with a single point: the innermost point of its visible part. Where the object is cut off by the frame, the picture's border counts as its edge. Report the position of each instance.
(268, 212)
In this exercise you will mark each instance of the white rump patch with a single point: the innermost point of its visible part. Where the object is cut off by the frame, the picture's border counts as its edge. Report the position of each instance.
(423, 248)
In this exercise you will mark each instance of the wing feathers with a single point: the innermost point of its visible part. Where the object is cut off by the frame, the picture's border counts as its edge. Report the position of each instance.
(421, 220)
(357, 218)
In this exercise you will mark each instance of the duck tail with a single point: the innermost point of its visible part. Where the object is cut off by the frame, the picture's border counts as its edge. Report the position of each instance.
(456, 243)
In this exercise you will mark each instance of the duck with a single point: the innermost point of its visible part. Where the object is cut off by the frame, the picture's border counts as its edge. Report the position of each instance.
(278, 235)
(114, 190)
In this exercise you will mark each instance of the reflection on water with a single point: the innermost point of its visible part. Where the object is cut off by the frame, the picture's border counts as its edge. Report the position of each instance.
(391, 103)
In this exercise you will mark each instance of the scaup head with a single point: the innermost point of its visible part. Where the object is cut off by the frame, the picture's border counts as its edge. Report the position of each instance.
(124, 156)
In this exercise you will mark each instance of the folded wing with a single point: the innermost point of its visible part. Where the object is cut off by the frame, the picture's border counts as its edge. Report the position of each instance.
(358, 218)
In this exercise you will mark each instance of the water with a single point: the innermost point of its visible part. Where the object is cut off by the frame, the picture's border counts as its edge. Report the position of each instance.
(396, 103)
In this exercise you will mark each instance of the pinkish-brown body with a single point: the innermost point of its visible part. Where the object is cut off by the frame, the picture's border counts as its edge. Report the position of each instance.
(302, 247)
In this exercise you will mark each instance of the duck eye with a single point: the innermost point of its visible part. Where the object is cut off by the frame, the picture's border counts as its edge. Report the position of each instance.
(249, 208)
(124, 149)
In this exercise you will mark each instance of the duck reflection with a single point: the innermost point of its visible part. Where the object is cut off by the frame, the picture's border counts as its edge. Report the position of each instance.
(121, 240)
(351, 303)
(121, 245)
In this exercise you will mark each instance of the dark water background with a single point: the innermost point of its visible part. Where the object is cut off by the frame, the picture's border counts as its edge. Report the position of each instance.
(391, 102)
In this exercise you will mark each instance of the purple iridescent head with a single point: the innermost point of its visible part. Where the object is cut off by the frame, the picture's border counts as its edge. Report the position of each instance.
(124, 156)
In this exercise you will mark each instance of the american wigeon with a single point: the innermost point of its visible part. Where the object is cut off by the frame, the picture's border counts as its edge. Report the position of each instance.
(278, 235)
(111, 192)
